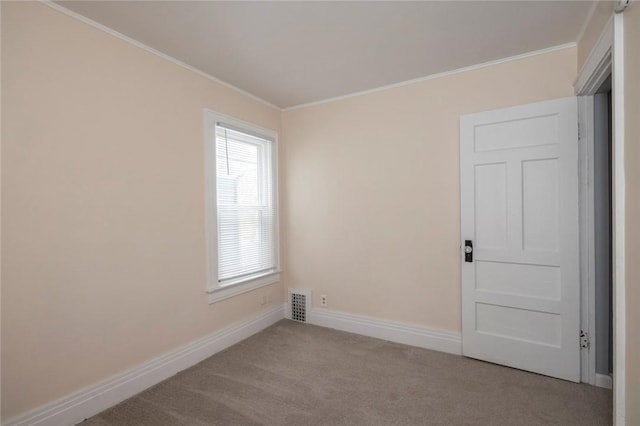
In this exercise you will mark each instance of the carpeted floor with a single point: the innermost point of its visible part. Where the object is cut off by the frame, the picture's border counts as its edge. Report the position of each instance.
(299, 374)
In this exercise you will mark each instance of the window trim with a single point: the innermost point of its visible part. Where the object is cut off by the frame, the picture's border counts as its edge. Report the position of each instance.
(215, 291)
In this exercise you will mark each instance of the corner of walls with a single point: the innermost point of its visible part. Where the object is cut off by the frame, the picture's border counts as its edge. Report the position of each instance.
(372, 190)
(282, 199)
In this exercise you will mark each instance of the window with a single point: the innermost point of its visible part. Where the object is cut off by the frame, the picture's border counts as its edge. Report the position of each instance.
(242, 207)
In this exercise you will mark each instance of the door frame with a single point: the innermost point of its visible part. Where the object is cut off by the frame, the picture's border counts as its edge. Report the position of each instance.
(605, 58)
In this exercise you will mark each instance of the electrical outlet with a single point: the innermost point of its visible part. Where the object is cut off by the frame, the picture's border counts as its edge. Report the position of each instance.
(323, 300)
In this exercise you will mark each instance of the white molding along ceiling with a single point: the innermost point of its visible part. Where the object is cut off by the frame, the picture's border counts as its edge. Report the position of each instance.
(290, 54)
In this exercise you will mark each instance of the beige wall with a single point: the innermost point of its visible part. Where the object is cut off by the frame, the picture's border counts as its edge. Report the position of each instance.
(601, 15)
(372, 189)
(0, 211)
(632, 169)
(103, 238)
(103, 186)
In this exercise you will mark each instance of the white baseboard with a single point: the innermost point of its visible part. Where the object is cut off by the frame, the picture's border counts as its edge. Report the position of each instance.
(442, 341)
(604, 381)
(88, 402)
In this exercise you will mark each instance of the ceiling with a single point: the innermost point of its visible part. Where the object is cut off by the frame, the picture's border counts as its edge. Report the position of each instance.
(293, 53)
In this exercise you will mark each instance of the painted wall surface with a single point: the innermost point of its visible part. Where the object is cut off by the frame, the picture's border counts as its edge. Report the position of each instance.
(371, 191)
(601, 15)
(103, 244)
(0, 212)
(632, 170)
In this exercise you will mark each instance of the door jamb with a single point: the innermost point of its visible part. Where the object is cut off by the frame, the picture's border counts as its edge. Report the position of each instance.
(606, 56)
(587, 237)
(594, 72)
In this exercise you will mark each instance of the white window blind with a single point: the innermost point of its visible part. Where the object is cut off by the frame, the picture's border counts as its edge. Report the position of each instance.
(246, 208)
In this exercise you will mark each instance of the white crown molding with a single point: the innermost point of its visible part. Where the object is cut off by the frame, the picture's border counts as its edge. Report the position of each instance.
(80, 405)
(442, 341)
(438, 75)
(151, 50)
(201, 73)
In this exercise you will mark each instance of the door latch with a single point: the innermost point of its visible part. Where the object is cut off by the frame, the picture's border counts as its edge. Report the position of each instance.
(468, 251)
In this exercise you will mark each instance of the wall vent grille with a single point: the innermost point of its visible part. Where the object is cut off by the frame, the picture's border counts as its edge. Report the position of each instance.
(299, 304)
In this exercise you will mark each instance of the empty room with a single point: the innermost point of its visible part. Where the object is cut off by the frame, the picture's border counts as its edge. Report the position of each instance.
(320, 213)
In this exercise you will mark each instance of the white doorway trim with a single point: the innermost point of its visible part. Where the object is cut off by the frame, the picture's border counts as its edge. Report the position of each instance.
(587, 237)
(598, 64)
(619, 206)
(594, 72)
(606, 56)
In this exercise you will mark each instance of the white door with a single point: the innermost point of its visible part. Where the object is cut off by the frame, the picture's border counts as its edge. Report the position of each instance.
(519, 200)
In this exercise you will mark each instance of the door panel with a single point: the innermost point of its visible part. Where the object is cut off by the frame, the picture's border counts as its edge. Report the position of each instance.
(491, 205)
(519, 199)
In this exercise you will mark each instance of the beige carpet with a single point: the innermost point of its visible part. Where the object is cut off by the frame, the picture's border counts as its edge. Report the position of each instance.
(298, 374)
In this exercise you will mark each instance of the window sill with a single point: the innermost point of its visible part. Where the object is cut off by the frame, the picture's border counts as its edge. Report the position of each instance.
(230, 290)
